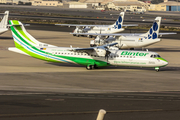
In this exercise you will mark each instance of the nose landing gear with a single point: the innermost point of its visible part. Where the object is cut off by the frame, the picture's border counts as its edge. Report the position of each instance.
(157, 69)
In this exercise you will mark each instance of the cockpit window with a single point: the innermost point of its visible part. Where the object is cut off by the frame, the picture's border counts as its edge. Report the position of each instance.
(155, 55)
(158, 56)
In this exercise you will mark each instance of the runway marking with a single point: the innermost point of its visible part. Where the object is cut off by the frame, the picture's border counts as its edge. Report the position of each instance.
(55, 99)
(81, 95)
(161, 97)
(151, 97)
(120, 96)
(110, 96)
(85, 112)
(130, 96)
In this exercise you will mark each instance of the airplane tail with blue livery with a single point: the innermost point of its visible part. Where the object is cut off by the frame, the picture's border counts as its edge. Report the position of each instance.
(119, 22)
(154, 30)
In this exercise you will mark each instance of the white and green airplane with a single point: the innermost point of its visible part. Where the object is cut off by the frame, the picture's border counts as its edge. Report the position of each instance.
(92, 57)
(4, 22)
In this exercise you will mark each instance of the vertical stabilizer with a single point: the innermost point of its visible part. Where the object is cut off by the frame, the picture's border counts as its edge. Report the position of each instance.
(154, 30)
(119, 22)
(4, 21)
(22, 37)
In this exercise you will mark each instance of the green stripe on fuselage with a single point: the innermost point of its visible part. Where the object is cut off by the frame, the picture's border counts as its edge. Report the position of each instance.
(15, 22)
(161, 59)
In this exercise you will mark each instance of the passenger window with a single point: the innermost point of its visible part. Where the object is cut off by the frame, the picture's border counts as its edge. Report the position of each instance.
(151, 56)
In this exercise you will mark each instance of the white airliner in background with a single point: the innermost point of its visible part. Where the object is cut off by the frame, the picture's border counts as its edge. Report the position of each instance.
(4, 22)
(92, 57)
(114, 28)
(129, 40)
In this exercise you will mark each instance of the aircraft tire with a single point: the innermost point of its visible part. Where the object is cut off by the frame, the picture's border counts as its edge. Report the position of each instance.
(89, 67)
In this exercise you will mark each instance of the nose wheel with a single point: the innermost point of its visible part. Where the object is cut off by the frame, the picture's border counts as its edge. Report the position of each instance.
(157, 69)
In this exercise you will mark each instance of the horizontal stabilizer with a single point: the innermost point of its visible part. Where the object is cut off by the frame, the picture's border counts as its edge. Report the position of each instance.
(14, 49)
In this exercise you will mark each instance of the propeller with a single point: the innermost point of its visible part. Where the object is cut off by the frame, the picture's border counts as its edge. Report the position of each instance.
(107, 53)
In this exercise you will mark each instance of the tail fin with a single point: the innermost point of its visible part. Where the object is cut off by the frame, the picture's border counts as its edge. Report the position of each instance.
(22, 37)
(154, 30)
(119, 22)
(4, 21)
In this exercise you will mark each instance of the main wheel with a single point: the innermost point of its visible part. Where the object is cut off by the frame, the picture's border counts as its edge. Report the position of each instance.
(89, 67)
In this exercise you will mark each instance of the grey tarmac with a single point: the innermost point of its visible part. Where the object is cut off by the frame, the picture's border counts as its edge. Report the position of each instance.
(35, 89)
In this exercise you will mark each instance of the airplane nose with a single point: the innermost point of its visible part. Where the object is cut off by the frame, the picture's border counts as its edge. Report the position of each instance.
(165, 63)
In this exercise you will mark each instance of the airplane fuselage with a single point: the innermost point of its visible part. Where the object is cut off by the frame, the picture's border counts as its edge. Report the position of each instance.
(125, 42)
(117, 57)
(109, 29)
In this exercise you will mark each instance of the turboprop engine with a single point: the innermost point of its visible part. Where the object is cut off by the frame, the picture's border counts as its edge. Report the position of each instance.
(100, 52)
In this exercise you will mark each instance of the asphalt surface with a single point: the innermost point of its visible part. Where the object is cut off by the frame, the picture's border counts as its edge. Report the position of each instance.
(121, 106)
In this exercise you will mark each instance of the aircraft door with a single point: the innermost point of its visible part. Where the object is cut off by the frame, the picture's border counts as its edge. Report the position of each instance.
(130, 58)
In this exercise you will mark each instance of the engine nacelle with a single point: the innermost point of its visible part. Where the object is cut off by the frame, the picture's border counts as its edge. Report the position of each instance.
(100, 52)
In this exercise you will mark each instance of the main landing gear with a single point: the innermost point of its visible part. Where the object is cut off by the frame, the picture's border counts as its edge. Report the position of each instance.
(90, 67)
(157, 69)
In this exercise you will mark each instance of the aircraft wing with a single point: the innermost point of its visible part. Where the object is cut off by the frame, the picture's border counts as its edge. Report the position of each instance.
(77, 25)
(167, 33)
(108, 34)
(92, 49)
(119, 34)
